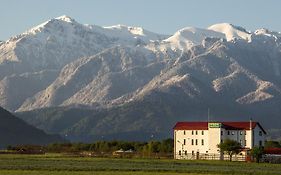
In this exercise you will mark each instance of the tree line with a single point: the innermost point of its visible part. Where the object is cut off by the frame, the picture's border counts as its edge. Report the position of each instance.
(163, 146)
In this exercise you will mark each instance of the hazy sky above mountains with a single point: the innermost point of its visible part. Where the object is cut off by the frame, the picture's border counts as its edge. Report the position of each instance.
(161, 16)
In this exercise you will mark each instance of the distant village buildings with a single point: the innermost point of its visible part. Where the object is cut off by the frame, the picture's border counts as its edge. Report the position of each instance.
(199, 140)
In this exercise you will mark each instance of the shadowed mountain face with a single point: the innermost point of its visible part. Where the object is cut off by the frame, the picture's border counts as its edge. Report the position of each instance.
(14, 131)
(90, 82)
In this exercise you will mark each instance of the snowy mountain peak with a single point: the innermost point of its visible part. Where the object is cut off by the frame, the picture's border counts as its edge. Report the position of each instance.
(68, 40)
(132, 33)
(66, 19)
(136, 30)
(190, 36)
(268, 33)
(67, 26)
(62, 23)
(133, 30)
(231, 31)
(262, 31)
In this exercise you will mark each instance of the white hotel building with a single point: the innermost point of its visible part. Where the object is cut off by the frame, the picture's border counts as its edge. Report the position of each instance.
(199, 140)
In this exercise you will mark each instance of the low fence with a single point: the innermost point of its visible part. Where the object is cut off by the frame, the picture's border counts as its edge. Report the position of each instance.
(271, 158)
(210, 157)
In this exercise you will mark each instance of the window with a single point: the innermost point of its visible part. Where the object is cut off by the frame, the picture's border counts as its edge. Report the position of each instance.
(241, 142)
(192, 152)
(245, 142)
(202, 141)
(228, 132)
(192, 132)
(179, 152)
(232, 133)
(241, 133)
(221, 141)
(185, 152)
(260, 133)
(196, 132)
(245, 132)
(260, 143)
(221, 132)
(183, 141)
(196, 142)
(202, 132)
(192, 142)
(206, 151)
(183, 132)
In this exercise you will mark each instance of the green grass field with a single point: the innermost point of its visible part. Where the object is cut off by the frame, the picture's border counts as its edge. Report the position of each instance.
(56, 164)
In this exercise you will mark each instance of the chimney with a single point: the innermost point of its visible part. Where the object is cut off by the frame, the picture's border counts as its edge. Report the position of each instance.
(251, 127)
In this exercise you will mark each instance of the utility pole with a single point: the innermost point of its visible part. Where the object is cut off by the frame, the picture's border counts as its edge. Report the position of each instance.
(208, 115)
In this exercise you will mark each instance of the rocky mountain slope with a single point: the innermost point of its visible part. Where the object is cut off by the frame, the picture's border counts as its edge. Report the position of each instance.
(47, 48)
(14, 131)
(138, 81)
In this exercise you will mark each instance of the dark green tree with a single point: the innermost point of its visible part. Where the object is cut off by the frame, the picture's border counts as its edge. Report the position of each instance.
(154, 146)
(272, 144)
(167, 146)
(230, 147)
(257, 153)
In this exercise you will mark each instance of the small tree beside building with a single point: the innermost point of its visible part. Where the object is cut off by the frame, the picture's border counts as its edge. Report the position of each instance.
(230, 147)
(257, 153)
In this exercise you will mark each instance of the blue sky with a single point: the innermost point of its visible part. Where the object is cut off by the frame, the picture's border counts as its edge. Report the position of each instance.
(162, 16)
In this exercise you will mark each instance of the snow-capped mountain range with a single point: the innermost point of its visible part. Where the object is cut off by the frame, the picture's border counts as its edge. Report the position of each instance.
(64, 63)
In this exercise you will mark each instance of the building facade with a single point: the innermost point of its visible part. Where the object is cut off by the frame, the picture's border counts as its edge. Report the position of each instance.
(196, 140)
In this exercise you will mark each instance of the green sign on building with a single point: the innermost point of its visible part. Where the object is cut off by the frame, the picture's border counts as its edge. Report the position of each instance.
(214, 125)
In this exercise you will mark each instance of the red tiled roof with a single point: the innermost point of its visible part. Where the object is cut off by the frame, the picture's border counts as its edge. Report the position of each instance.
(191, 126)
(226, 125)
(238, 125)
(273, 151)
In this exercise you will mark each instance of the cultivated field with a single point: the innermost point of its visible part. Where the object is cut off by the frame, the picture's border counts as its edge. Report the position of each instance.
(56, 164)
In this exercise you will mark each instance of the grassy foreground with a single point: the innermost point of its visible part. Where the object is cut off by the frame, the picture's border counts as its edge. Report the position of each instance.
(56, 164)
